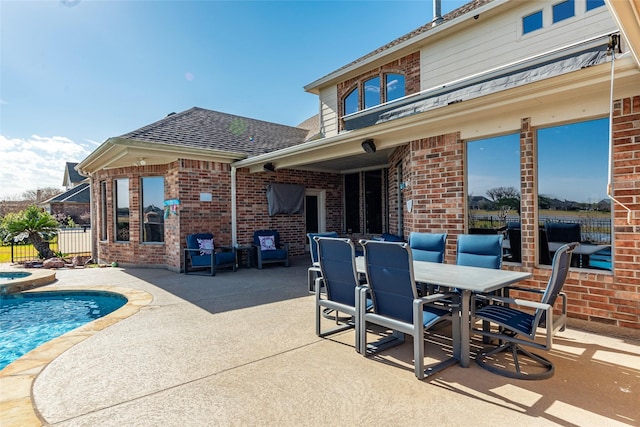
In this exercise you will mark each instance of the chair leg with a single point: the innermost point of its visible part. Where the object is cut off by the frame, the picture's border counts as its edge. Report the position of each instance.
(502, 367)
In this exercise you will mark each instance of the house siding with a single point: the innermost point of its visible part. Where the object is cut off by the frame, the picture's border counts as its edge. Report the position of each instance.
(497, 41)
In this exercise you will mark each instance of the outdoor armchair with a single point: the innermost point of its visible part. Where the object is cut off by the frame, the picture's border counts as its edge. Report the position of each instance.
(203, 256)
(313, 251)
(516, 321)
(480, 250)
(269, 248)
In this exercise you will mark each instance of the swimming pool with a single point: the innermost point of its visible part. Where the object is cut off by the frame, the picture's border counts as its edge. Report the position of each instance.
(7, 276)
(30, 319)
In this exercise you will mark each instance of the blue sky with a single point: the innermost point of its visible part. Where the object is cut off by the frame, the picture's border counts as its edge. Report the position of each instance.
(76, 72)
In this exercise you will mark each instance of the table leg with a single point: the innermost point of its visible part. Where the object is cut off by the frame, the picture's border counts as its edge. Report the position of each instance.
(465, 329)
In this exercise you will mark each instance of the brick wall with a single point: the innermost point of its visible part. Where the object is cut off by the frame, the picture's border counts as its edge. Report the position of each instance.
(433, 169)
(253, 210)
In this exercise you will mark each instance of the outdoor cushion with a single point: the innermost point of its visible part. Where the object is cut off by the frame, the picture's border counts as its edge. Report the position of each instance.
(267, 243)
(205, 246)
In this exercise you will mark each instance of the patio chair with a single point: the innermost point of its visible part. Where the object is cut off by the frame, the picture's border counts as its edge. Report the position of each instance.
(269, 248)
(517, 328)
(341, 284)
(428, 246)
(480, 250)
(205, 257)
(396, 305)
(515, 243)
(563, 232)
(314, 272)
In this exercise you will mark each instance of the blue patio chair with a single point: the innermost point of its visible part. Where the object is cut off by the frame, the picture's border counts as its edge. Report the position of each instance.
(480, 250)
(269, 248)
(313, 246)
(205, 257)
(313, 251)
(396, 305)
(517, 328)
(428, 246)
(341, 284)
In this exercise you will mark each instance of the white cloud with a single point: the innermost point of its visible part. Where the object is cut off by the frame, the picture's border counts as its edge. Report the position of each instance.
(35, 162)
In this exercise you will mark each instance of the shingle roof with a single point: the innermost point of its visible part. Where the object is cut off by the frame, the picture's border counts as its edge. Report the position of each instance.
(78, 194)
(468, 7)
(213, 130)
(73, 175)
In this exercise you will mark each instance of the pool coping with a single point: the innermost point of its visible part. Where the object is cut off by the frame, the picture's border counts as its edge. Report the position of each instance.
(36, 279)
(16, 379)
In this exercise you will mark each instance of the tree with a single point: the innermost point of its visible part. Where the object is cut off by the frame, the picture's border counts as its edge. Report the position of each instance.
(41, 194)
(505, 197)
(33, 224)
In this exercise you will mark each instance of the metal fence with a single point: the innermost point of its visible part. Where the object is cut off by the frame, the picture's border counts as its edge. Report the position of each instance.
(594, 230)
(69, 242)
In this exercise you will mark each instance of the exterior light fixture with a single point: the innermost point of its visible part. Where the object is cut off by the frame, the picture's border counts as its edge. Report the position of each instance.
(369, 146)
(269, 167)
(140, 162)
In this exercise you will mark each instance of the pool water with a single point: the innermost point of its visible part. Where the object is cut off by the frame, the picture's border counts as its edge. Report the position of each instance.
(31, 319)
(8, 276)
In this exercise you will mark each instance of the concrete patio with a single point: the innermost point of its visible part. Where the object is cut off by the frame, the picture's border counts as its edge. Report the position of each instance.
(240, 349)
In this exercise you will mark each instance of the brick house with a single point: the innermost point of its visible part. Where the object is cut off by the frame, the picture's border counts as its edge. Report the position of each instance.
(394, 148)
(75, 201)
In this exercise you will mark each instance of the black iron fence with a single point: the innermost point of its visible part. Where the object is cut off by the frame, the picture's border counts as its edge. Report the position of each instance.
(68, 242)
(594, 230)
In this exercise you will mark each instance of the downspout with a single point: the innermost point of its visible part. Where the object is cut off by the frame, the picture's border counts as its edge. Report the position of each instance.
(234, 214)
(614, 43)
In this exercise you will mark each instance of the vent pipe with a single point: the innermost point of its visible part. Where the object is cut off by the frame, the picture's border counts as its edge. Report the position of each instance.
(437, 13)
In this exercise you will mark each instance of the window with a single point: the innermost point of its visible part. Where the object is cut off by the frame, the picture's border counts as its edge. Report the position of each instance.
(593, 4)
(532, 22)
(121, 192)
(493, 185)
(367, 214)
(103, 211)
(394, 86)
(563, 10)
(351, 102)
(372, 92)
(572, 186)
(152, 213)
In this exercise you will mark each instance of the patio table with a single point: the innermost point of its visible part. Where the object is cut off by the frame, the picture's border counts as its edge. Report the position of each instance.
(467, 280)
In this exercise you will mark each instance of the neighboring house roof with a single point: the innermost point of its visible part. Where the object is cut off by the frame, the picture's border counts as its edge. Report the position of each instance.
(213, 130)
(79, 194)
(71, 176)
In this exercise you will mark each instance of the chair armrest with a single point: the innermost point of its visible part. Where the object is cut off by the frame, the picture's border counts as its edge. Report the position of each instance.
(284, 246)
(226, 248)
(515, 301)
(521, 289)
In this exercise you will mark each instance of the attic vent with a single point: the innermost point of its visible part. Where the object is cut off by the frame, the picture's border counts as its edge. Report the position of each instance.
(171, 114)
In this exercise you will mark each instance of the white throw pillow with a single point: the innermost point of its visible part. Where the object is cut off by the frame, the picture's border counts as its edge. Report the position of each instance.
(206, 246)
(267, 243)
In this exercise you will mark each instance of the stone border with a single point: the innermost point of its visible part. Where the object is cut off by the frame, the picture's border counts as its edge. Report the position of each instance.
(16, 379)
(36, 279)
